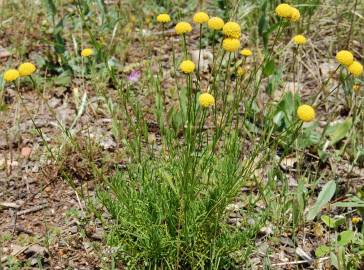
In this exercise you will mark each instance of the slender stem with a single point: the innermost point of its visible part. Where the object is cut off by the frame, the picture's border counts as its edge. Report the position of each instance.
(294, 68)
(185, 45)
(33, 82)
(351, 24)
(199, 51)
(213, 47)
(317, 96)
(36, 128)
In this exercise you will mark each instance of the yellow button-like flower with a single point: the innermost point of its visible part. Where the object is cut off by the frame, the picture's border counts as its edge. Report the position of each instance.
(246, 52)
(356, 220)
(201, 17)
(284, 11)
(356, 69)
(206, 100)
(299, 40)
(241, 71)
(163, 18)
(187, 66)
(87, 52)
(356, 88)
(231, 44)
(11, 75)
(306, 113)
(295, 16)
(133, 19)
(232, 30)
(26, 69)
(345, 58)
(215, 23)
(183, 28)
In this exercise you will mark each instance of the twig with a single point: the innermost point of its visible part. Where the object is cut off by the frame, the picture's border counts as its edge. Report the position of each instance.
(300, 262)
(3, 259)
(79, 203)
(9, 205)
(14, 220)
(20, 229)
(33, 209)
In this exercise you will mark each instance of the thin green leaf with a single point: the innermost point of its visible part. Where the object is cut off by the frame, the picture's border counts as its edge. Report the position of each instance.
(354, 202)
(51, 8)
(324, 197)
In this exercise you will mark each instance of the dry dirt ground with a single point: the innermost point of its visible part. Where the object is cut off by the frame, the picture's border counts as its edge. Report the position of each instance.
(40, 213)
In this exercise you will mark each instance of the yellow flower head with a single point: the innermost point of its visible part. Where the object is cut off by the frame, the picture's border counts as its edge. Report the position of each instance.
(87, 52)
(11, 75)
(356, 88)
(201, 17)
(356, 69)
(241, 71)
(183, 28)
(26, 69)
(215, 23)
(206, 100)
(163, 18)
(232, 30)
(345, 58)
(133, 19)
(295, 16)
(231, 44)
(284, 11)
(299, 40)
(246, 52)
(187, 66)
(306, 113)
(356, 220)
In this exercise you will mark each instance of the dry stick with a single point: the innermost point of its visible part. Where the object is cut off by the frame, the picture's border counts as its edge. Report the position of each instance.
(9, 205)
(300, 262)
(20, 229)
(8, 169)
(32, 209)
(3, 259)
(14, 220)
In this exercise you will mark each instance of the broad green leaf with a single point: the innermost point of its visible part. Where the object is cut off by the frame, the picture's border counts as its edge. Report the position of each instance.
(338, 131)
(63, 80)
(309, 136)
(322, 251)
(345, 237)
(324, 197)
(330, 222)
(333, 222)
(323, 155)
(269, 68)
